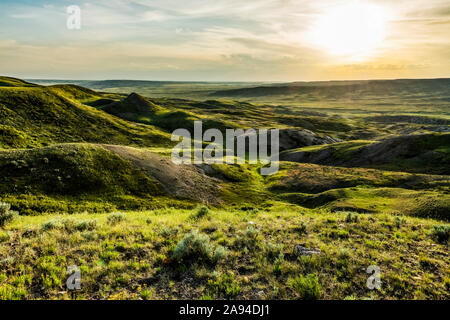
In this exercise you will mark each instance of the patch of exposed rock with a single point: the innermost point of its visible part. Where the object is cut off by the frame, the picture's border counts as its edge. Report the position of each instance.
(293, 138)
(182, 181)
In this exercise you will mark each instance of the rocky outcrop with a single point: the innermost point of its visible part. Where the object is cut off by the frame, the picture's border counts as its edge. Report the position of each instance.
(293, 139)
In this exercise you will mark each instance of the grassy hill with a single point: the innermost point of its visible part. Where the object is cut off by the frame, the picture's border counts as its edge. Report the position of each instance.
(90, 176)
(13, 82)
(133, 107)
(33, 116)
(429, 153)
(335, 88)
(96, 178)
(169, 115)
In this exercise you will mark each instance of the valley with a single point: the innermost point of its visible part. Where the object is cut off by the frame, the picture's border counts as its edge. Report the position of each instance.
(86, 178)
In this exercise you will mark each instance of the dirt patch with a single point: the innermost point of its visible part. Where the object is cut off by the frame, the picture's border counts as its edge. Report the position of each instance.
(182, 181)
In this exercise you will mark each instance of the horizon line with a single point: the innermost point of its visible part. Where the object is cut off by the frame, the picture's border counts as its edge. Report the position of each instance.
(227, 81)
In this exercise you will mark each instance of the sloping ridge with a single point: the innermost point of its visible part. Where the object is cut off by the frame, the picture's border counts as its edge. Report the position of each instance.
(73, 91)
(426, 153)
(183, 181)
(49, 117)
(14, 82)
(132, 106)
(371, 87)
(293, 138)
(101, 170)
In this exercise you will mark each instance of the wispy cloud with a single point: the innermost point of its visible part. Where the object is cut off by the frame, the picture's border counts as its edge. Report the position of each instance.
(223, 39)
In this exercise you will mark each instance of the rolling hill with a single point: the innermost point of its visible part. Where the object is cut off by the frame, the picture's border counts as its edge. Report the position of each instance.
(90, 176)
(342, 88)
(426, 153)
(35, 116)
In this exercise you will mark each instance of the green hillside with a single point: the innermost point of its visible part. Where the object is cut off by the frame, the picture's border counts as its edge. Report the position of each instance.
(13, 82)
(79, 177)
(427, 153)
(32, 116)
(86, 179)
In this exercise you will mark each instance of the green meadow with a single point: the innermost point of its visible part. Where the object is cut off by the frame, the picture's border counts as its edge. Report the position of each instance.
(86, 180)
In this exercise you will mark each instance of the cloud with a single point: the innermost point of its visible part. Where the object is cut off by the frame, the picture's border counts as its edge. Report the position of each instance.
(223, 38)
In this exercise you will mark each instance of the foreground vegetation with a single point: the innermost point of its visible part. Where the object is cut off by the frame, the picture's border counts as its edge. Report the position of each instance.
(86, 181)
(203, 254)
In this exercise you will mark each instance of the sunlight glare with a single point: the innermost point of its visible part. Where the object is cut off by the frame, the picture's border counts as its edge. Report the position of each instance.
(355, 29)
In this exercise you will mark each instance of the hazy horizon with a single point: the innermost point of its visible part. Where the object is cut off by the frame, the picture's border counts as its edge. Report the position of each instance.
(225, 81)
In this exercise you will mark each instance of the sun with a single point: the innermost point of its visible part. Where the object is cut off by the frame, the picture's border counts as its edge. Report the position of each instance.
(354, 30)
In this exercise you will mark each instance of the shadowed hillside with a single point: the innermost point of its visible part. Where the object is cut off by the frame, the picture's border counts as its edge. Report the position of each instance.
(33, 116)
(86, 179)
(413, 153)
(133, 107)
(336, 88)
(13, 82)
(98, 177)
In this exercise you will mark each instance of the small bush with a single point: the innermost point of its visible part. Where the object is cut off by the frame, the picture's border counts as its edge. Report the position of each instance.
(249, 240)
(71, 225)
(273, 250)
(201, 212)
(220, 253)
(441, 233)
(351, 217)
(277, 265)
(52, 224)
(87, 225)
(4, 236)
(308, 287)
(6, 215)
(146, 294)
(198, 247)
(399, 221)
(168, 232)
(252, 233)
(115, 218)
(224, 285)
(301, 229)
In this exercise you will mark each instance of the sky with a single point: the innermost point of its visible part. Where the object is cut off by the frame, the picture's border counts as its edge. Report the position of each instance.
(226, 40)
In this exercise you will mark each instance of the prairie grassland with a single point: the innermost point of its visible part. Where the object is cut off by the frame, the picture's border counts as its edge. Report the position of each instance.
(221, 254)
(86, 181)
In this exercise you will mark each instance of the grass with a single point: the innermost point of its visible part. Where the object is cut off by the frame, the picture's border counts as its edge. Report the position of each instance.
(307, 287)
(172, 257)
(377, 200)
(121, 216)
(424, 153)
(6, 215)
(33, 116)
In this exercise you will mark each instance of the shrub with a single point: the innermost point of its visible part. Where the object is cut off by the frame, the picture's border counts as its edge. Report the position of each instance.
(249, 240)
(52, 224)
(224, 285)
(169, 232)
(301, 229)
(201, 212)
(6, 215)
(252, 233)
(308, 287)
(4, 236)
(115, 218)
(277, 265)
(399, 221)
(351, 217)
(146, 294)
(441, 233)
(86, 225)
(273, 250)
(198, 247)
(220, 253)
(70, 225)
